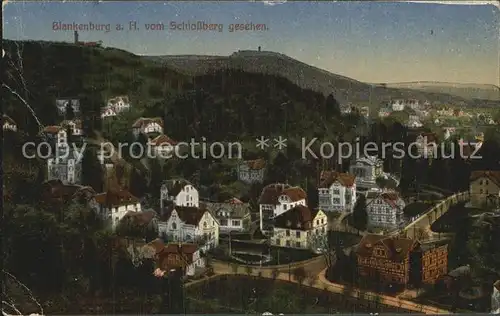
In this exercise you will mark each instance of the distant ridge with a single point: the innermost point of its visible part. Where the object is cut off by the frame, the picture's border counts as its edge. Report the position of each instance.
(464, 90)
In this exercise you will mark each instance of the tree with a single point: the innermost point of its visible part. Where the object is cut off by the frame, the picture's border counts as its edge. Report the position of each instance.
(332, 106)
(359, 214)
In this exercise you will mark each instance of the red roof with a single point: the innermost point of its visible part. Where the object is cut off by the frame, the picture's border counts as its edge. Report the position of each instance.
(116, 198)
(328, 178)
(162, 140)
(256, 164)
(272, 192)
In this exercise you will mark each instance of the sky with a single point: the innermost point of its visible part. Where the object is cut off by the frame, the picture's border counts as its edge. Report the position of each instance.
(371, 42)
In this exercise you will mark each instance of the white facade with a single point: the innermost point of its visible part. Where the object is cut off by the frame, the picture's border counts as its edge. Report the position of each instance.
(108, 112)
(386, 211)
(197, 262)
(398, 105)
(115, 213)
(207, 227)
(7, 126)
(187, 196)
(337, 197)
(270, 211)
(119, 104)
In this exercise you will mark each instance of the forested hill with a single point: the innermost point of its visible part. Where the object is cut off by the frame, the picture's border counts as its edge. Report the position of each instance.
(222, 105)
(305, 76)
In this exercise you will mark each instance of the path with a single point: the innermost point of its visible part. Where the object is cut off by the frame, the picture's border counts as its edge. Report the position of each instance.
(320, 282)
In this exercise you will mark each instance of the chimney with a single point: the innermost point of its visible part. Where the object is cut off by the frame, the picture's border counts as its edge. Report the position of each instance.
(259, 48)
(76, 37)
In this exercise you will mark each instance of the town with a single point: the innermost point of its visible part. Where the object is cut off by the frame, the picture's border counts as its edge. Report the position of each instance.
(271, 231)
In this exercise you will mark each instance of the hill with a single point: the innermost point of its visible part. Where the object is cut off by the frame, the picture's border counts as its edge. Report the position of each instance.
(468, 91)
(305, 76)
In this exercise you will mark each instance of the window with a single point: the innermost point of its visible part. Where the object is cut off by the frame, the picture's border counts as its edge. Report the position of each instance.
(174, 225)
(205, 224)
(278, 242)
(481, 191)
(288, 243)
(236, 223)
(297, 244)
(297, 234)
(223, 222)
(287, 233)
(285, 206)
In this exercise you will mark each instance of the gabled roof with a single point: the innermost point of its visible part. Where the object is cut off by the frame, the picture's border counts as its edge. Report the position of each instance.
(398, 247)
(65, 123)
(186, 250)
(236, 210)
(233, 201)
(494, 176)
(497, 285)
(176, 185)
(188, 214)
(55, 190)
(116, 198)
(327, 178)
(162, 140)
(256, 164)
(113, 101)
(298, 218)
(142, 121)
(272, 192)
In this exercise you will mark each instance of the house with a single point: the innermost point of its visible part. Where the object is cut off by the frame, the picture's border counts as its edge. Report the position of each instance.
(364, 111)
(495, 298)
(108, 112)
(64, 104)
(8, 124)
(276, 199)
(398, 105)
(400, 261)
(386, 210)
(65, 165)
(57, 134)
(135, 222)
(296, 227)
(113, 205)
(251, 171)
(427, 145)
(233, 217)
(74, 126)
(147, 126)
(366, 170)
(119, 103)
(337, 191)
(184, 256)
(179, 192)
(189, 224)
(414, 122)
(484, 187)
(163, 146)
(345, 109)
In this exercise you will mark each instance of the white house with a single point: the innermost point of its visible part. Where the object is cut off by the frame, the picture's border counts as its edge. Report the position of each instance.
(386, 210)
(337, 191)
(114, 205)
(366, 170)
(275, 199)
(119, 103)
(495, 298)
(57, 134)
(414, 122)
(8, 124)
(75, 127)
(189, 224)
(63, 104)
(174, 256)
(179, 192)
(252, 171)
(299, 227)
(65, 166)
(398, 105)
(163, 146)
(108, 112)
(232, 216)
(146, 125)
